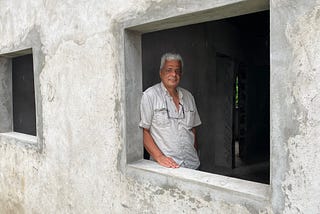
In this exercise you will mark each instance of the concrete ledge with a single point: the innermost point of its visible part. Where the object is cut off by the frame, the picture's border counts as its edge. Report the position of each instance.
(242, 188)
(25, 140)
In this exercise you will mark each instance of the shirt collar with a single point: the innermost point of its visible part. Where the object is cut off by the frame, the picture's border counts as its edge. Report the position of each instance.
(165, 91)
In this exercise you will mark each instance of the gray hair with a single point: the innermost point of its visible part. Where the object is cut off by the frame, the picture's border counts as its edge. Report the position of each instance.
(170, 56)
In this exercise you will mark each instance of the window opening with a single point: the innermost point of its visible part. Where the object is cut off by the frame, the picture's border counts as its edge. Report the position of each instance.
(227, 70)
(23, 95)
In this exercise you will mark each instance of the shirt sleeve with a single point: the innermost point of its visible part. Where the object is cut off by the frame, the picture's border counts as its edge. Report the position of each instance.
(146, 111)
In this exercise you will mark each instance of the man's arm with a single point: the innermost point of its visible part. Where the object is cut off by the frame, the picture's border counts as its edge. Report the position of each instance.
(196, 146)
(155, 152)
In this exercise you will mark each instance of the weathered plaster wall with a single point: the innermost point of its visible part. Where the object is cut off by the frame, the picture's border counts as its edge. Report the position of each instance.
(5, 101)
(295, 97)
(80, 169)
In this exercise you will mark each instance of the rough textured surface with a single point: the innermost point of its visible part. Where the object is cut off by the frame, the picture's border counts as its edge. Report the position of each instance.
(80, 167)
(295, 122)
(301, 183)
(5, 100)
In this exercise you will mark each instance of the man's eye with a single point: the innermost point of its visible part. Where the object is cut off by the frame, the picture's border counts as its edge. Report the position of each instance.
(170, 70)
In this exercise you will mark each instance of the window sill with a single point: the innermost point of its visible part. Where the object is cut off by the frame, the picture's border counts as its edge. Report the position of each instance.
(148, 170)
(25, 140)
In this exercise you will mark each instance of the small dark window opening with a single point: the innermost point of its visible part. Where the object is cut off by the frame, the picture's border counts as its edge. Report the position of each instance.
(227, 70)
(23, 95)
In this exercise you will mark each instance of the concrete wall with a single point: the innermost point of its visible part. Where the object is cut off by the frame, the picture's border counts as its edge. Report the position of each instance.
(295, 103)
(82, 165)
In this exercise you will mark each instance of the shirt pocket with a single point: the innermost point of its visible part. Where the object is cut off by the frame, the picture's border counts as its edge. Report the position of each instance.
(189, 118)
(160, 118)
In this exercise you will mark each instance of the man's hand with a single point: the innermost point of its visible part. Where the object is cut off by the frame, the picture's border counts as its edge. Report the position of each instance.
(155, 152)
(166, 161)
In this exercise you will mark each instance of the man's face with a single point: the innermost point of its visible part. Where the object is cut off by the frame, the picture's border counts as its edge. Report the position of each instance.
(171, 73)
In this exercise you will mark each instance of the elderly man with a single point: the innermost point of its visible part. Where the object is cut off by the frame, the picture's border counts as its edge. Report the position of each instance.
(168, 117)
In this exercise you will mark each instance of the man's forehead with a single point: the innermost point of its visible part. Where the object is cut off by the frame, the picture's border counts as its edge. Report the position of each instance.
(173, 62)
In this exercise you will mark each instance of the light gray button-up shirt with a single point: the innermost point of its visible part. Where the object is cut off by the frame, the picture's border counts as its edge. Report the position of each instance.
(171, 129)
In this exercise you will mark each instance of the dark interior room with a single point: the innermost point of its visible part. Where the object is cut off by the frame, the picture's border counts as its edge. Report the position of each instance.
(227, 69)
